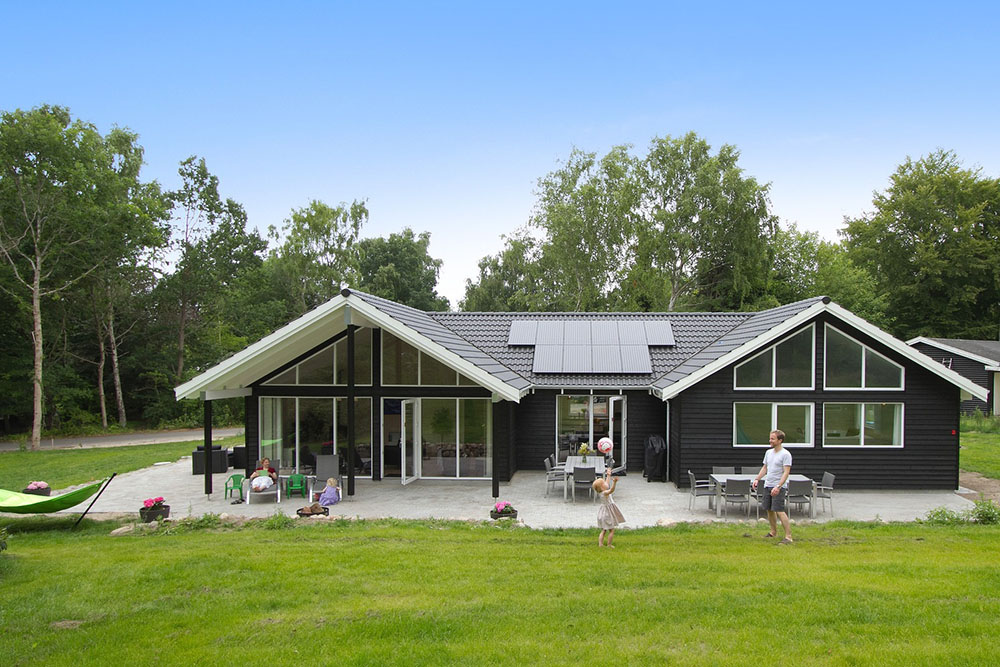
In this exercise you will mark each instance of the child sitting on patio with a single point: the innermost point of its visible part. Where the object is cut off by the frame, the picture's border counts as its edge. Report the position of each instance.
(331, 494)
(608, 516)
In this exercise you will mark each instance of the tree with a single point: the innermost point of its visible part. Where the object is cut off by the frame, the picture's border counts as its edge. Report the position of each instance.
(64, 196)
(400, 268)
(932, 244)
(508, 280)
(702, 229)
(319, 252)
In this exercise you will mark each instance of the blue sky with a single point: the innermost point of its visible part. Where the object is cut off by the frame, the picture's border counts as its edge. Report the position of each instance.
(444, 115)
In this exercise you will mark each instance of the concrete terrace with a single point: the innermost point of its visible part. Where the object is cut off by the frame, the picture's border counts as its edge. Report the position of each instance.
(643, 503)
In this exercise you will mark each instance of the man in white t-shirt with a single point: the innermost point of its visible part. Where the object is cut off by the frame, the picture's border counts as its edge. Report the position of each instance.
(775, 471)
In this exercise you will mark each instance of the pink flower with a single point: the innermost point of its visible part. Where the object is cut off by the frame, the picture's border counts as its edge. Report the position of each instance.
(38, 485)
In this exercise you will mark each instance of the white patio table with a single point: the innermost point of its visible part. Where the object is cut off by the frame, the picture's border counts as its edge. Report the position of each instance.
(595, 461)
(719, 480)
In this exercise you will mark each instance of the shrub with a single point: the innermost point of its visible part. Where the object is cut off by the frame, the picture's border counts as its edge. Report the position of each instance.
(984, 511)
(980, 422)
(278, 522)
(944, 516)
(3, 539)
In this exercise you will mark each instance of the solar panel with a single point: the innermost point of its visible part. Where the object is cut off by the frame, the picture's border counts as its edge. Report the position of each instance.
(550, 332)
(522, 332)
(659, 332)
(607, 359)
(604, 332)
(576, 359)
(577, 332)
(548, 359)
(631, 332)
(635, 359)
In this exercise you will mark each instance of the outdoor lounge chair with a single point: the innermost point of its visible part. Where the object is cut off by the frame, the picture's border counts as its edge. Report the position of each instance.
(327, 466)
(699, 488)
(273, 492)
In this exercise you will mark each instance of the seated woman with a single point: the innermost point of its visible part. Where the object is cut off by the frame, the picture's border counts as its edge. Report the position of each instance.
(331, 494)
(263, 477)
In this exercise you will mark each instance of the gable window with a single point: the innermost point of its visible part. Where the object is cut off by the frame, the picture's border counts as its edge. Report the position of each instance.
(786, 365)
(863, 425)
(329, 365)
(753, 423)
(403, 364)
(851, 365)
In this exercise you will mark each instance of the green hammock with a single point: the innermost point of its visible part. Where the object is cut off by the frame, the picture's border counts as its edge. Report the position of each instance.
(29, 503)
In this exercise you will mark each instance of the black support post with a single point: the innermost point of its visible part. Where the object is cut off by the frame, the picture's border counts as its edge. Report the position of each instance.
(351, 454)
(208, 447)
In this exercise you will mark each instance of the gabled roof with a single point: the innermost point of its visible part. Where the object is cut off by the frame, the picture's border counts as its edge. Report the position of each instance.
(475, 344)
(984, 351)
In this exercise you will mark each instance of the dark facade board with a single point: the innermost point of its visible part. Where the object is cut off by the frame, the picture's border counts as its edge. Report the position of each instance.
(503, 445)
(928, 459)
(647, 415)
(251, 430)
(969, 368)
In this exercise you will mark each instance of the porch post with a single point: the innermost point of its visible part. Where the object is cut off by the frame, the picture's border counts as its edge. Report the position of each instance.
(496, 452)
(350, 409)
(208, 447)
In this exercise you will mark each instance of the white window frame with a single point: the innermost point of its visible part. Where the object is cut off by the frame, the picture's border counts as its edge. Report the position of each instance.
(864, 365)
(774, 420)
(902, 425)
(774, 365)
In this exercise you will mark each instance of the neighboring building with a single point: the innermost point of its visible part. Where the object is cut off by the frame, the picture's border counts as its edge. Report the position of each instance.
(483, 395)
(977, 360)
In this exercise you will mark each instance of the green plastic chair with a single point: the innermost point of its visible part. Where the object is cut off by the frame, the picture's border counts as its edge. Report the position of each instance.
(296, 484)
(234, 484)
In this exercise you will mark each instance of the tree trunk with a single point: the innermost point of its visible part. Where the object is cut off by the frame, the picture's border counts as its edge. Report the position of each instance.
(100, 378)
(180, 338)
(115, 373)
(36, 334)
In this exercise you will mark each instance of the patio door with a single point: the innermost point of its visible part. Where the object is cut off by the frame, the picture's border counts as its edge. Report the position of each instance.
(409, 454)
(616, 427)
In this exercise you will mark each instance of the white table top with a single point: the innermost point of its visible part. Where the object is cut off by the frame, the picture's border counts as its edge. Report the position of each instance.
(595, 461)
(721, 477)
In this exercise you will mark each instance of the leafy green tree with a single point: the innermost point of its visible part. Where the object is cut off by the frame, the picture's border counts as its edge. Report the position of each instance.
(507, 281)
(400, 268)
(932, 244)
(319, 252)
(64, 200)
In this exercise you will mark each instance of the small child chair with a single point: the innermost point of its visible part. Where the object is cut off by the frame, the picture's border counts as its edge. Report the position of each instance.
(296, 484)
(234, 484)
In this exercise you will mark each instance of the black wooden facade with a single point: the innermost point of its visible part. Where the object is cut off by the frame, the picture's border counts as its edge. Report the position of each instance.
(970, 368)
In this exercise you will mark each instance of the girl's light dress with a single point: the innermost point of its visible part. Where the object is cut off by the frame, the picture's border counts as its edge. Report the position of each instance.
(608, 516)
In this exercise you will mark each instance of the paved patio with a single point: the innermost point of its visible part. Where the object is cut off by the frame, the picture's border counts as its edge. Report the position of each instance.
(643, 503)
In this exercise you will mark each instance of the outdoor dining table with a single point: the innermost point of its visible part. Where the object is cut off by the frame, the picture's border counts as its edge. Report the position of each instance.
(593, 461)
(719, 479)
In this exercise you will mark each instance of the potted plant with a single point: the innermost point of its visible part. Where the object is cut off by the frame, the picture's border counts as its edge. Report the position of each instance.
(585, 450)
(153, 509)
(38, 489)
(503, 510)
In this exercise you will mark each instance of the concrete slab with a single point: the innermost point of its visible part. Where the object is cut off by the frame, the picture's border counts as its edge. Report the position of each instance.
(643, 503)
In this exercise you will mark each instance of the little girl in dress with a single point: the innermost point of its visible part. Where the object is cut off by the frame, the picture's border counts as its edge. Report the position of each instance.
(608, 516)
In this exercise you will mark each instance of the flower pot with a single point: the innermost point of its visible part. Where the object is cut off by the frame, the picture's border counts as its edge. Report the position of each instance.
(148, 514)
(39, 492)
(506, 515)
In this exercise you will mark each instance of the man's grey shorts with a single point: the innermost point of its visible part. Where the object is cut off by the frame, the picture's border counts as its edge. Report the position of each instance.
(773, 503)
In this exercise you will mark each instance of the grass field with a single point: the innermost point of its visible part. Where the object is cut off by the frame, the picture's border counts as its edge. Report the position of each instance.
(391, 592)
(980, 453)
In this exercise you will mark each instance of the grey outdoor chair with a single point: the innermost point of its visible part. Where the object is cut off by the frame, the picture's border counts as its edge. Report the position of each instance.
(699, 488)
(737, 491)
(553, 474)
(749, 470)
(824, 491)
(724, 470)
(274, 492)
(583, 478)
(800, 492)
(327, 466)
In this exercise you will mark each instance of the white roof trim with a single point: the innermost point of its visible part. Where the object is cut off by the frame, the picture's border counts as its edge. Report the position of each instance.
(995, 369)
(904, 350)
(215, 378)
(743, 350)
(954, 350)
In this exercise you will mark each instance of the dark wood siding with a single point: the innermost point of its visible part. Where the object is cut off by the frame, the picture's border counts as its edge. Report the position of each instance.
(536, 430)
(251, 430)
(969, 368)
(503, 443)
(647, 415)
(928, 459)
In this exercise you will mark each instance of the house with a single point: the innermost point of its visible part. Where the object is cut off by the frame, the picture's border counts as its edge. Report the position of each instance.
(405, 394)
(977, 360)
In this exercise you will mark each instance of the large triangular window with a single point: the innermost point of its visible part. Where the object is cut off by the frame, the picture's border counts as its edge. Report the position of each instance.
(788, 364)
(853, 365)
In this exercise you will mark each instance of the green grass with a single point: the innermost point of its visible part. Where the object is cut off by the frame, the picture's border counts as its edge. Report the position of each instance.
(393, 592)
(980, 453)
(66, 467)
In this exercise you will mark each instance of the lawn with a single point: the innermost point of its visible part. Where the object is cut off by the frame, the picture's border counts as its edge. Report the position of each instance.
(392, 592)
(66, 467)
(980, 453)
